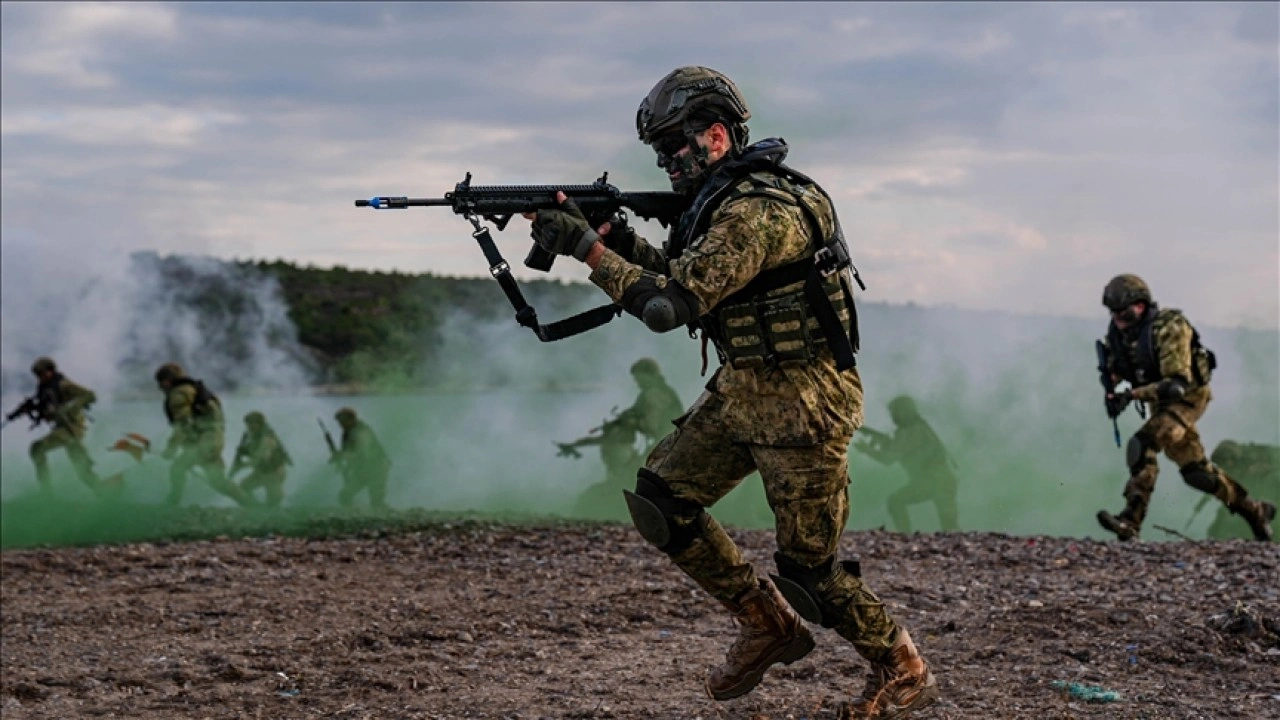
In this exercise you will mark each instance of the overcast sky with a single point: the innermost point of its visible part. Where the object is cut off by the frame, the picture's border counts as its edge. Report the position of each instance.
(984, 155)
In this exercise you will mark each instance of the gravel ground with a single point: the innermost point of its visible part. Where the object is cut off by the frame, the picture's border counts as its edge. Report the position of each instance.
(480, 620)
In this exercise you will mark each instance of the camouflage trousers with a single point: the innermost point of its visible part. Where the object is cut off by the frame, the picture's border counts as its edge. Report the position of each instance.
(807, 490)
(921, 490)
(1172, 429)
(59, 438)
(207, 456)
(271, 480)
(372, 479)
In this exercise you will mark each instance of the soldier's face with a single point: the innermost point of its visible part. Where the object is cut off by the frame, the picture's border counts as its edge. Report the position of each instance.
(1128, 316)
(680, 161)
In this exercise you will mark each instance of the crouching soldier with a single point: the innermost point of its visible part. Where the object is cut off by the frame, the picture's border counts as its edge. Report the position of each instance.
(260, 450)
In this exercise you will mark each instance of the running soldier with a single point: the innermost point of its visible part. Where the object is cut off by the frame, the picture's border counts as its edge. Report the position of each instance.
(1158, 352)
(61, 403)
(195, 414)
(759, 265)
(930, 470)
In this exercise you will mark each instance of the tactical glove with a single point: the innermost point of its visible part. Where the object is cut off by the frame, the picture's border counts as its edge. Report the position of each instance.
(564, 231)
(621, 238)
(1117, 403)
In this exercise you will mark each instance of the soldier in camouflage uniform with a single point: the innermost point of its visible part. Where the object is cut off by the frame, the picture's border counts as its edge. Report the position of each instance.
(758, 263)
(260, 450)
(1158, 352)
(916, 447)
(62, 403)
(195, 414)
(650, 415)
(1253, 464)
(657, 405)
(364, 463)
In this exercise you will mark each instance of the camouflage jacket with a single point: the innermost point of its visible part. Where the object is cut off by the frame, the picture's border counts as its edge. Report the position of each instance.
(1163, 345)
(917, 448)
(195, 420)
(63, 402)
(655, 407)
(261, 451)
(361, 452)
(746, 235)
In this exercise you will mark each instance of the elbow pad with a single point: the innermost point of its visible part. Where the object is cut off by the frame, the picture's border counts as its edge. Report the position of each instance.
(1171, 390)
(660, 302)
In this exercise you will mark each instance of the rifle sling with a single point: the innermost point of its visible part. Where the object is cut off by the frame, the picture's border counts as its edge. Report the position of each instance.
(526, 315)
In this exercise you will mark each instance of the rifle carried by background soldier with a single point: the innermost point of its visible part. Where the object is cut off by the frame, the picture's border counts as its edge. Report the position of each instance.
(626, 421)
(31, 407)
(1116, 402)
(599, 202)
(335, 457)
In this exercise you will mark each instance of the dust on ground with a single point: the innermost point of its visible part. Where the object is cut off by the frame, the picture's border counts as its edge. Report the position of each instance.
(480, 620)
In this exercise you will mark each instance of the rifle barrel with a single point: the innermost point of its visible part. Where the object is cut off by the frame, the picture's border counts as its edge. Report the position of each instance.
(400, 203)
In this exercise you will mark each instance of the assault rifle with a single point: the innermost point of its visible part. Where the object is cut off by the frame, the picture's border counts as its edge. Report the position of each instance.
(1114, 406)
(335, 457)
(31, 407)
(600, 202)
(627, 419)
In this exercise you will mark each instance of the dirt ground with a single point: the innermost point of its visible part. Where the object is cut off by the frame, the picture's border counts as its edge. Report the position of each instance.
(476, 620)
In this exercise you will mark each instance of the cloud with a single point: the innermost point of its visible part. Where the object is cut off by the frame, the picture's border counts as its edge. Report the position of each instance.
(1010, 145)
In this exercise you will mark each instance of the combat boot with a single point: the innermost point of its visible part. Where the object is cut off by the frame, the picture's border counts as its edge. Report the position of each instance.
(769, 632)
(896, 687)
(1259, 514)
(1121, 525)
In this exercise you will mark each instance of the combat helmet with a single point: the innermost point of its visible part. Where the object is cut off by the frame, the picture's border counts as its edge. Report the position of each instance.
(645, 366)
(345, 416)
(168, 372)
(903, 409)
(43, 365)
(682, 94)
(1125, 290)
(255, 419)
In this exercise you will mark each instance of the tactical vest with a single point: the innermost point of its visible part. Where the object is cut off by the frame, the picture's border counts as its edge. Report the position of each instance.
(758, 326)
(279, 457)
(202, 408)
(1136, 360)
(49, 395)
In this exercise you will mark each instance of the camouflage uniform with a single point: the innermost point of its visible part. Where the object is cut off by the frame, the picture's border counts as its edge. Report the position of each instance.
(916, 447)
(778, 404)
(1254, 464)
(364, 463)
(657, 405)
(197, 440)
(651, 415)
(62, 402)
(1160, 355)
(261, 450)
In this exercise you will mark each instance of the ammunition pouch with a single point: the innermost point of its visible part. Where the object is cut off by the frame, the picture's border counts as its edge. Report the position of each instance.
(781, 330)
(665, 521)
(805, 588)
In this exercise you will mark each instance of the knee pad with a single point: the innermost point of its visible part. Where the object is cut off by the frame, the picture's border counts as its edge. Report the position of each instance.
(1139, 453)
(802, 586)
(664, 520)
(1201, 476)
